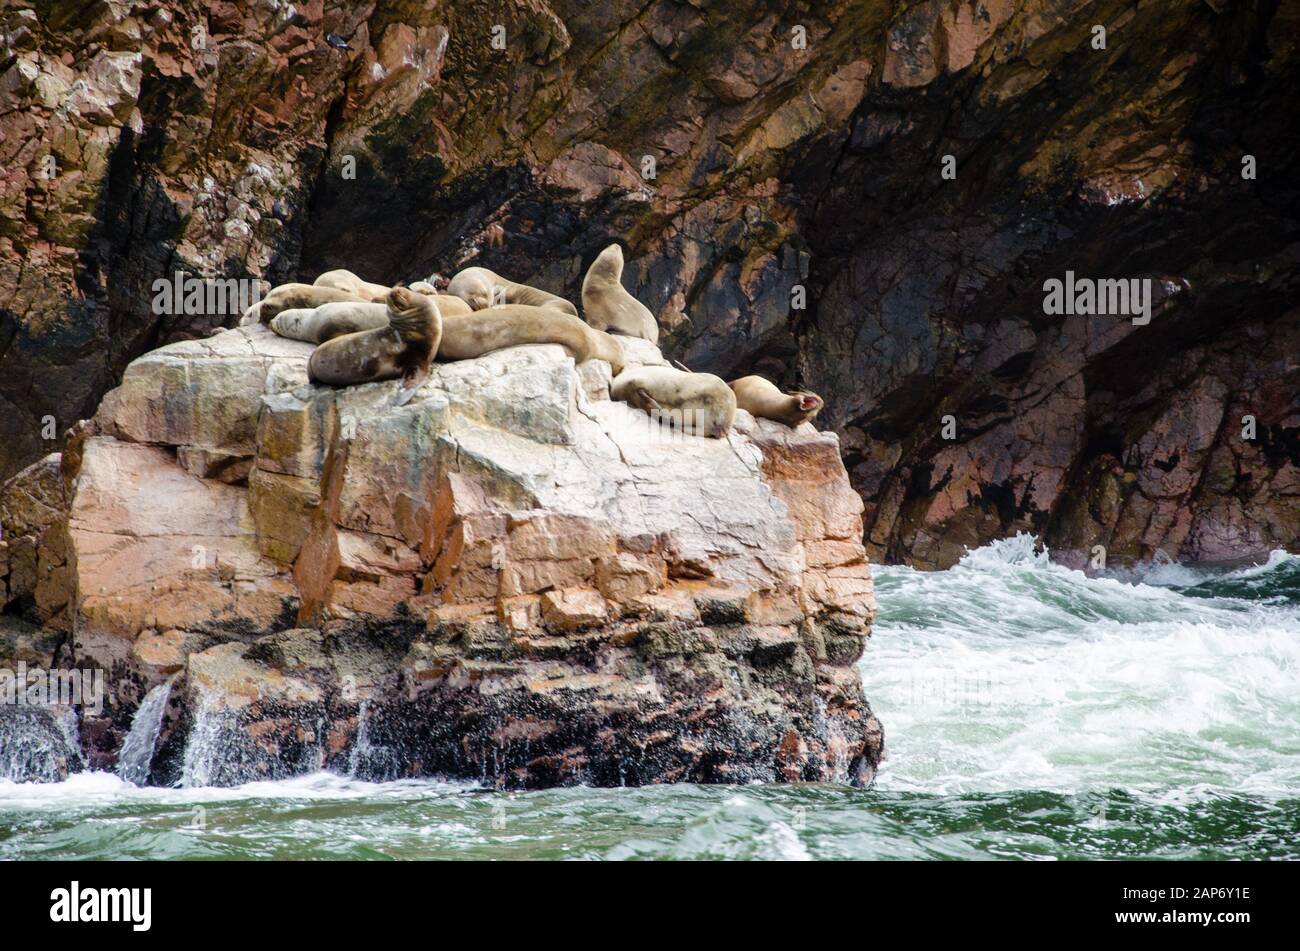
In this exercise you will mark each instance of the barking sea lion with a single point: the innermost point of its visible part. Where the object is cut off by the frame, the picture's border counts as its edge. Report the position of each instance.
(760, 397)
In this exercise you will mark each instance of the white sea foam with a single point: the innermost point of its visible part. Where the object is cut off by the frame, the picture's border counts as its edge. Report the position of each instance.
(99, 788)
(1011, 672)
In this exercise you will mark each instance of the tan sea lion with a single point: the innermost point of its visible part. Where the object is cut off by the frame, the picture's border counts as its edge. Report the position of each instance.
(344, 280)
(288, 296)
(607, 305)
(449, 306)
(318, 324)
(481, 288)
(699, 404)
(452, 306)
(760, 397)
(511, 325)
(404, 347)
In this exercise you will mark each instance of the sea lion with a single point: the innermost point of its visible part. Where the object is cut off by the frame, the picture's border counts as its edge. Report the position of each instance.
(761, 397)
(511, 325)
(608, 306)
(481, 288)
(449, 306)
(344, 280)
(699, 404)
(288, 296)
(318, 324)
(404, 347)
(452, 306)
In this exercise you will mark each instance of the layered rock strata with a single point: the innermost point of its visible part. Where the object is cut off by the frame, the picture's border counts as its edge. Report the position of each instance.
(511, 578)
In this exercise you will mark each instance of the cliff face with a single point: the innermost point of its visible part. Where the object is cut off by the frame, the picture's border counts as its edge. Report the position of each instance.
(750, 154)
(512, 578)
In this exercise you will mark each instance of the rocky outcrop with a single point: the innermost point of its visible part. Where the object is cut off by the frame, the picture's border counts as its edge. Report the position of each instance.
(511, 578)
(749, 154)
(33, 544)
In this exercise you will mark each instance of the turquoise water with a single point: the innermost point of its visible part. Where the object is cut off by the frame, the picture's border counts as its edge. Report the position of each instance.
(1030, 712)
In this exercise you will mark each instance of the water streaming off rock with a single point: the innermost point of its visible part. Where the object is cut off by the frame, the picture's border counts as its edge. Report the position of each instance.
(201, 762)
(370, 758)
(136, 757)
(361, 746)
(37, 744)
(221, 749)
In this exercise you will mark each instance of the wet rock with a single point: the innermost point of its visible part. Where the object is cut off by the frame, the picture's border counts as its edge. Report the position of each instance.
(34, 747)
(519, 580)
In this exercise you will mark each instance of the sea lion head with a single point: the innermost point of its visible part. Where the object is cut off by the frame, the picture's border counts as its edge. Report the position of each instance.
(708, 413)
(403, 301)
(424, 287)
(414, 316)
(805, 404)
(608, 264)
(477, 292)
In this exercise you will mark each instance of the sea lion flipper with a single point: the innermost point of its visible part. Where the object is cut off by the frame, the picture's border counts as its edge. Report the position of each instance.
(650, 403)
(412, 380)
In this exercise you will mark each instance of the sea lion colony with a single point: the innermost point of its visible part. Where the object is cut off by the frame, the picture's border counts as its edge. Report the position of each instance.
(366, 332)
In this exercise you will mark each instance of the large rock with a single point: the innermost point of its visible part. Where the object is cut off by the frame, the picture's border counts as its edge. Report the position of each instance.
(511, 577)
